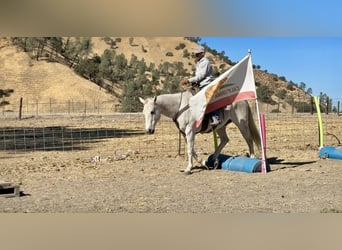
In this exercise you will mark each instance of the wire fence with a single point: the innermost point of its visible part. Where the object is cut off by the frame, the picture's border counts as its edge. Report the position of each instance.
(52, 107)
(97, 127)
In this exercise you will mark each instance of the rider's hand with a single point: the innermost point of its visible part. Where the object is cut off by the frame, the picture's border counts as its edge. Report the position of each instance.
(184, 82)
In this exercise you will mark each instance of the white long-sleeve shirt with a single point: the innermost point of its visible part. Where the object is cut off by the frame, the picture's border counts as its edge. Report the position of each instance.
(203, 73)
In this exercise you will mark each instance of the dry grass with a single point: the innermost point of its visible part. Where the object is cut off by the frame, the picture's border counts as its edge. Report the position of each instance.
(51, 82)
(141, 173)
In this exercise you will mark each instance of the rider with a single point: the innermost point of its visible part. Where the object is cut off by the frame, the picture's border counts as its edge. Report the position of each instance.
(203, 76)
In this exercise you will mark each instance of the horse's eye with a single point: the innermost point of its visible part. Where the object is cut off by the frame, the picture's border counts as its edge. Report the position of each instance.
(152, 112)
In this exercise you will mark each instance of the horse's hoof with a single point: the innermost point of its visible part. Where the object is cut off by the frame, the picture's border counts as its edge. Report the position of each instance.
(187, 173)
(204, 164)
(216, 164)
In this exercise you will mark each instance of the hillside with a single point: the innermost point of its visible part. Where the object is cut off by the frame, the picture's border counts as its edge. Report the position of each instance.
(53, 82)
(43, 81)
(155, 49)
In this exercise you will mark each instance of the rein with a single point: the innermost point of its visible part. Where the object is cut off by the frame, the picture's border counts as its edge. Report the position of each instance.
(179, 113)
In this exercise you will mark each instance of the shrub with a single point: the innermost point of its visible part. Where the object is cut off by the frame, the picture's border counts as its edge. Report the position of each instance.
(180, 46)
(264, 94)
(281, 93)
(282, 78)
(290, 87)
(186, 53)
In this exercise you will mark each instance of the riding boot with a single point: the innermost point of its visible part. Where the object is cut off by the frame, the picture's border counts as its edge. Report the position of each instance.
(215, 117)
(215, 120)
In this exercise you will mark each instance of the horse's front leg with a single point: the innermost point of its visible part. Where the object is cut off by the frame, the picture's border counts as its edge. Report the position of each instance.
(195, 155)
(190, 139)
(221, 132)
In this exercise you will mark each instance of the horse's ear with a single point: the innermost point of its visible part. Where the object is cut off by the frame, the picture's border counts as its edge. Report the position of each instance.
(143, 101)
(155, 99)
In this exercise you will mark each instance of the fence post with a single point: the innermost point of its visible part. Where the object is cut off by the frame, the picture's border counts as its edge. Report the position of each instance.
(338, 108)
(37, 106)
(85, 108)
(327, 107)
(311, 105)
(20, 107)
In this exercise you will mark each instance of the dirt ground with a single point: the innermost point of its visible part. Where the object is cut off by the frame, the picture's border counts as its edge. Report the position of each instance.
(127, 178)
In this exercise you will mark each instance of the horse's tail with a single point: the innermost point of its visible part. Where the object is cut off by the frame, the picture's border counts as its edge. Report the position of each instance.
(253, 129)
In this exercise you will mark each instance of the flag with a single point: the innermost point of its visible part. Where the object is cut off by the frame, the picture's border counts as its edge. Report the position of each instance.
(236, 84)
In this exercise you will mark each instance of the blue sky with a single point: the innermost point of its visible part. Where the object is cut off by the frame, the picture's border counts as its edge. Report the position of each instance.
(315, 61)
(298, 39)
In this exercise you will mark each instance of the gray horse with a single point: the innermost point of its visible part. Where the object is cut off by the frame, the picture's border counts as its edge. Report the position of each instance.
(176, 106)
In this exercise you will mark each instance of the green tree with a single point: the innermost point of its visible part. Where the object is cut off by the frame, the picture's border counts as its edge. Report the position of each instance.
(129, 99)
(264, 93)
(146, 85)
(302, 86)
(76, 49)
(119, 68)
(142, 67)
(281, 93)
(129, 74)
(303, 107)
(195, 39)
(57, 45)
(171, 84)
(32, 45)
(186, 53)
(179, 67)
(151, 67)
(89, 68)
(290, 87)
(282, 78)
(155, 75)
(133, 62)
(106, 65)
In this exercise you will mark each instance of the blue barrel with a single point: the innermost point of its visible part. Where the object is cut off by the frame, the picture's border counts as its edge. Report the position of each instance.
(243, 164)
(221, 159)
(331, 152)
(237, 163)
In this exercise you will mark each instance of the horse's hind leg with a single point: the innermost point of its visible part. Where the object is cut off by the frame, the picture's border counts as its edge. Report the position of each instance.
(221, 132)
(244, 129)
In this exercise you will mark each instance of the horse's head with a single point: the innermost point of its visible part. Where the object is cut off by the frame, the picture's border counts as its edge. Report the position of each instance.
(151, 112)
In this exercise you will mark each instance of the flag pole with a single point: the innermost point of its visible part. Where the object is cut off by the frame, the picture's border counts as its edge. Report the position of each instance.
(320, 124)
(263, 156)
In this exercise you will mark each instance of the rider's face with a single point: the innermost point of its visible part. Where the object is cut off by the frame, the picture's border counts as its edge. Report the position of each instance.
(199, 56)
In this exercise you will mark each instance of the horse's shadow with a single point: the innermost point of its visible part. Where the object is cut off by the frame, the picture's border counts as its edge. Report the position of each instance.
(272, 161)
(197, 169)
(287, 164)
(200, 168)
